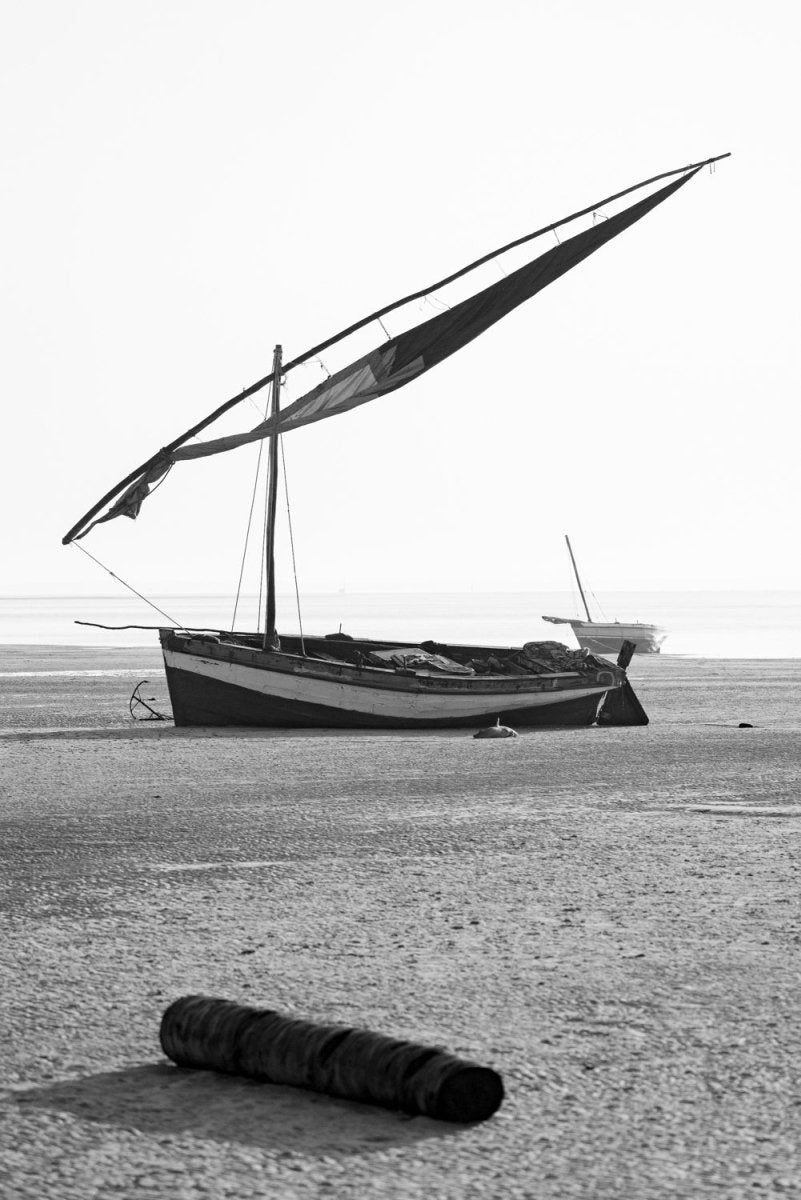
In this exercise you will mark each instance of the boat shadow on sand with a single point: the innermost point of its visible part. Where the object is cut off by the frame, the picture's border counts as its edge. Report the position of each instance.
(164, 1100)
(169, 732)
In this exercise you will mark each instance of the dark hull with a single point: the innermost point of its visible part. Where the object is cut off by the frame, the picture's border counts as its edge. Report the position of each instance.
(217, 682)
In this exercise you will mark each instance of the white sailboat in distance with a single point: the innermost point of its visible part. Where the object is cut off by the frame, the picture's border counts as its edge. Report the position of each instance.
(607, 637)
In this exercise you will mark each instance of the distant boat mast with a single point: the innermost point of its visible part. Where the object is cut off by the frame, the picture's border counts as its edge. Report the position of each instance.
(578, 578)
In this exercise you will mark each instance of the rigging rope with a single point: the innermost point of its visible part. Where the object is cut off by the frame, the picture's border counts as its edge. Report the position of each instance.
(435, 303)
(292, 545)
(289, 522)
(263, 416)
(264, 537)
(263, 552)
(130, 588)
(247, 535)
(598, 604)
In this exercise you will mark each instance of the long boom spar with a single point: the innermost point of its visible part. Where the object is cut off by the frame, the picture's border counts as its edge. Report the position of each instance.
(163, 454)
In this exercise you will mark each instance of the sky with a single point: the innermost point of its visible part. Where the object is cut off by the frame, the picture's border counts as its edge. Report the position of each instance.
(189, 183)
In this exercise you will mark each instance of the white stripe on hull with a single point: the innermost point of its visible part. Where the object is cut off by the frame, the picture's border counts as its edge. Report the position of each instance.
(378, 702)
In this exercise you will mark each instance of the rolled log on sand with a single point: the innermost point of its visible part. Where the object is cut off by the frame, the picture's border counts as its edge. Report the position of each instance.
(354, 1064)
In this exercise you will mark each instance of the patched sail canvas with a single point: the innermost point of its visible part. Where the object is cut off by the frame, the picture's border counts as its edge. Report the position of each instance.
(397, 362)
(407, 356)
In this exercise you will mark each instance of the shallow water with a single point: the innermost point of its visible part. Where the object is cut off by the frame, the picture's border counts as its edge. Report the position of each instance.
(701, 624)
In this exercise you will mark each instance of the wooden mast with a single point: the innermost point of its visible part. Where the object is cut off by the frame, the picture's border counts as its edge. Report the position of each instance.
(270, 637)
(578, 578)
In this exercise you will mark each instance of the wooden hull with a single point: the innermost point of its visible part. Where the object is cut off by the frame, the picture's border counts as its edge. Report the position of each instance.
(212, 682)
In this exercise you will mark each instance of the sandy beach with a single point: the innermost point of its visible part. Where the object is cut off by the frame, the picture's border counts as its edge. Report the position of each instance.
(608, 917)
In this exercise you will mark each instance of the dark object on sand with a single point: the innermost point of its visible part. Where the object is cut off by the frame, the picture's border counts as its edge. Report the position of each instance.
(622, 707)
(354, 1064)
(496, 731)
(745, 725)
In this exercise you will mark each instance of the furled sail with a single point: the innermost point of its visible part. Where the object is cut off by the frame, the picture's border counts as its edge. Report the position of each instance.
(399, 360)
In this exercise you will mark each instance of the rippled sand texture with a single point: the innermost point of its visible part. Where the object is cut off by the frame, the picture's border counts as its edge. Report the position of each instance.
(610, 918)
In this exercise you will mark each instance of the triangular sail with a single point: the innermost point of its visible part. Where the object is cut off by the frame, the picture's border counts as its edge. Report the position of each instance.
(409, 355)
(397, 361)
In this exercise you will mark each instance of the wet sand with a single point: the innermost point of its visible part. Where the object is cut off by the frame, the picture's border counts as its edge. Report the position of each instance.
(609, 917)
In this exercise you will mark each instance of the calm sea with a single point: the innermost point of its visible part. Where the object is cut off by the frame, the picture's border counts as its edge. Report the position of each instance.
(709, 624)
